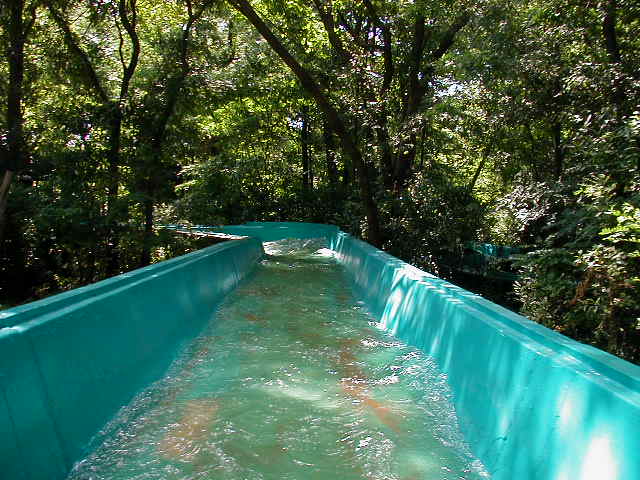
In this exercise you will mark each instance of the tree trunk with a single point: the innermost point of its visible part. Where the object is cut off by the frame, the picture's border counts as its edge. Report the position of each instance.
(4, 196)
(336, 123)
(159, 129)
(15, 120)
(476, 174)
(113, 184)
(329, 145)
(615, 58)
(558, 150)
(113, 159)
(347, 173)
(386, 158)
(418, 84)
(423, 134)
(128, 16)
(145, 258)
(609, 31)
(404, 163)
(307, 181)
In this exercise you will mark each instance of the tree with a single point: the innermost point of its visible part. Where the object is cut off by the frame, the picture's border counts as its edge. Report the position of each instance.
(334, 119)
(18, 18)
(574, 197)
(419, 125)
(148, 169)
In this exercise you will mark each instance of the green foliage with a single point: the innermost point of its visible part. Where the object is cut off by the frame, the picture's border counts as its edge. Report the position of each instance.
(522, 131)
(586, 287)
(429, 224)
(627, 227)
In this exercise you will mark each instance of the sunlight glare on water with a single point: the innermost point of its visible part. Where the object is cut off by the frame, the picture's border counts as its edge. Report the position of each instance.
(290, 380)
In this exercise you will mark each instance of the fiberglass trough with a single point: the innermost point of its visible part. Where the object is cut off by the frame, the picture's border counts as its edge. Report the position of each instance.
(531, 403)
(68, 363)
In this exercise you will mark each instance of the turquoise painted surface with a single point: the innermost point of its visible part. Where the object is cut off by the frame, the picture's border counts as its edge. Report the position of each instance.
(69, 362)
(310, 389)
(491, 250)
(271, 231)
(532, 403)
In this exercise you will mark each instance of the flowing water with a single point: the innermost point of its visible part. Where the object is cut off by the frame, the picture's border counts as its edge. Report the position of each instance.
(291, 379)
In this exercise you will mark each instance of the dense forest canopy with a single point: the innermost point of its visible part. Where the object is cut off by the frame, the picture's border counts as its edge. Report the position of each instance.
(420, 126)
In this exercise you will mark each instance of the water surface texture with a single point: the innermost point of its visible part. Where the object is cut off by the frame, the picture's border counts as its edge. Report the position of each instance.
(292, 379)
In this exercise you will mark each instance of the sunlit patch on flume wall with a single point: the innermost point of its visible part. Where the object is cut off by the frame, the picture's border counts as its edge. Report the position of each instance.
(393, 306)
(570, 411)
(600, 461)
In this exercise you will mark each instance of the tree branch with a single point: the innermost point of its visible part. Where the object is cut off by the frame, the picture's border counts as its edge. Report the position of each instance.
(326, 16)
(90, 77)
(130, 26)
(386, 46)
(355, 33)
(337, 124)
(32, 20)
(123, 64)
(174, 85)
(449, 37)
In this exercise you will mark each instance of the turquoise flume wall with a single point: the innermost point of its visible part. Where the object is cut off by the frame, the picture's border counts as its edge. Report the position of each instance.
(533, 404)
(272, 231)
(70, 362)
